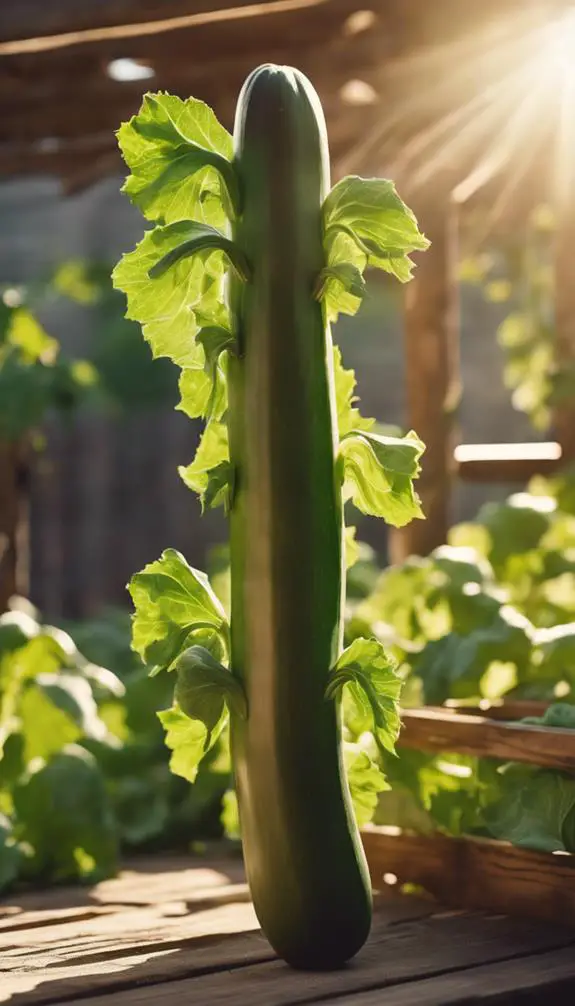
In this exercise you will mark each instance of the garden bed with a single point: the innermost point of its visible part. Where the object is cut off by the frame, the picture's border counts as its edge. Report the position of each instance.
(474, 872)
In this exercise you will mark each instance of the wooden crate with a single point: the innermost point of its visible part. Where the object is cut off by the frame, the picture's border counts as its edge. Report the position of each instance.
(475, 872)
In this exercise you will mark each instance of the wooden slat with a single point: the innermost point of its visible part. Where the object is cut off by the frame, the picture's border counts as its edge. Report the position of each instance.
(476, 873)
(499, 709)
(36, 18)
(564, 412)
(531, 981)
(214, 13)
(436, 730)
(393, 955)
(492, 463)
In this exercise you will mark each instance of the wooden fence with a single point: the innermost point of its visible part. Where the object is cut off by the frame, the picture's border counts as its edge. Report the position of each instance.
(105, 498)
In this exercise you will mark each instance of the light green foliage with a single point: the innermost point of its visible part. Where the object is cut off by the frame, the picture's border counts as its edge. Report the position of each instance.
(521, 274)
(34, 377)
(366, 781)
(370, 676)
(348, 416)
(205, 692)
(379, 473)
(365, 224)
(209, 473)
(56, 817)
(488, 616)
(62, 809)
(188, 740)
(167, 308)
(178, 155)
(172, 601)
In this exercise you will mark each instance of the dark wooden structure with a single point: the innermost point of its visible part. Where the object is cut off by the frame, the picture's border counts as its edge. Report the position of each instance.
(406, 86)
(179, 931)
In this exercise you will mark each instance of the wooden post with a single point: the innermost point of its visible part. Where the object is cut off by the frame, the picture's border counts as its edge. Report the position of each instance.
(13, 524)
(431, 335)
(564, 413)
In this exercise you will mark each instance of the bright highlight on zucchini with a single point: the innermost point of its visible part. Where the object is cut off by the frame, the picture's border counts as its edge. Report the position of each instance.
(249, 259)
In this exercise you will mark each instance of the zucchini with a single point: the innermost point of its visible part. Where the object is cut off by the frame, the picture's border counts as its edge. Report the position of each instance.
(250, 258)
(304, 859)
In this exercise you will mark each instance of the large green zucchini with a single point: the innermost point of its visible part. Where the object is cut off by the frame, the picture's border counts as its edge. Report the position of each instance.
(304, 859)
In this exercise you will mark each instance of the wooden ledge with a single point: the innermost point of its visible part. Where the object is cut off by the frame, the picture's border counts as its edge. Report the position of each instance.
(506, 462)
(440, 731)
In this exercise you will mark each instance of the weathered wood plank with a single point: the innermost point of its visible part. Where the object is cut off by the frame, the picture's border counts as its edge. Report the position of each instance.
(436, 730)
(393, 955)
(30, 18)
(499, 709)
(118, 30)
(492, 463)
(145, 882)
(564, 411)
(476, 873)
(85, 957)
(526, 981)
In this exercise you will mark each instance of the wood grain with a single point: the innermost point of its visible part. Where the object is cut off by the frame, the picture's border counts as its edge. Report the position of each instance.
(533, 981)
(438, 730)
(476, 873)
(393, 955)
(493, 463)
(148, 937)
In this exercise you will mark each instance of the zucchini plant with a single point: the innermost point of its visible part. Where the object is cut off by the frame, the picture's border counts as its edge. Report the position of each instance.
(250, 258)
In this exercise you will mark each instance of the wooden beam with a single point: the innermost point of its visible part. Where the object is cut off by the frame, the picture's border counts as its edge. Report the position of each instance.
(499, 709)
(475, 873)
(13, 524)
(564, 413)
(492, 463)
(36, 18)
(215, 13)
(437, 731)
(431, 336)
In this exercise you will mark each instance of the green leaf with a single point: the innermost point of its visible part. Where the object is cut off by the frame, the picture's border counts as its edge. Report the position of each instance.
(62, 811)
(560, 715)
(374, 685)
(366, 781)
(532, 808)
(209, 473)
(515, 526)
(379, 473)
(196, 240)
(179, 156)
(203, 388)
(556, 652)
(172, 309)
(73, 695)
(27, 335)
(348, 417)
(366, 223)
(46, 728)
(171, 600)
(204, 685)
(188, 740)
(341, 287)
(452, 667)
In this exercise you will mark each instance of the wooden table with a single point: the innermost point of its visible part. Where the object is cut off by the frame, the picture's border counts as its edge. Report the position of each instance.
(171, 932)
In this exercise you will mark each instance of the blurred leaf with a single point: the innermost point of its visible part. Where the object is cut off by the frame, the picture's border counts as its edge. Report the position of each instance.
(62, 808)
